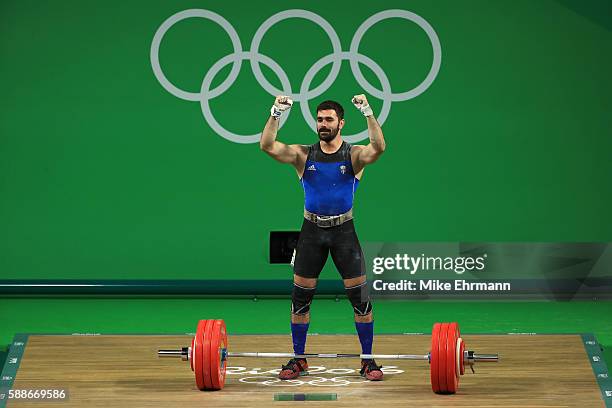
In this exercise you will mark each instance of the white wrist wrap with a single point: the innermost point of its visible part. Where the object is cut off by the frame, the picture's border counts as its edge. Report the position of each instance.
(274, 111)
(366, 110)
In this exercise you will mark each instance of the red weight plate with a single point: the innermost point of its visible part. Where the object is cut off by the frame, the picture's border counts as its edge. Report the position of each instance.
(206, 357)
(197, 354)
(217, 342)
(451, 358)
(434, 357)
(461, 348)
(225, 346)
(191, 353)
(457, 362)
(457, 342)
(442, 345)
(462, 365)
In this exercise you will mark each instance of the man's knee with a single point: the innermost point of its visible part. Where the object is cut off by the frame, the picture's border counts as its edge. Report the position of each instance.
(359, 296)
(350, 282)
(304, 282)
(301, 297)
(369, 318)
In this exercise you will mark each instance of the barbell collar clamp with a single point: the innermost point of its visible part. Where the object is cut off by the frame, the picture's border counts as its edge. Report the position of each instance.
(183, 353)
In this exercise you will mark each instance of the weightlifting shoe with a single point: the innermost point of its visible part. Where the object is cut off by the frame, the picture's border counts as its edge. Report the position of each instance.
(370, 370)
(294, 368)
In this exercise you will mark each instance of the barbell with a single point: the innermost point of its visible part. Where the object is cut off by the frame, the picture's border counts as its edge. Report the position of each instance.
(208, 356)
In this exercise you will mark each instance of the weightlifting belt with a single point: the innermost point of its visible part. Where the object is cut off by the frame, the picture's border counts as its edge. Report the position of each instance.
(326, 221)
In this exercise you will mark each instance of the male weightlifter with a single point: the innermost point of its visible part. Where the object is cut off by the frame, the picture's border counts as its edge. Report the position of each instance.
(329, 171)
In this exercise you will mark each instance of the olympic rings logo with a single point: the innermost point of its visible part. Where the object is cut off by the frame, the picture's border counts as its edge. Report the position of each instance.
(316, 381)
(305, 94)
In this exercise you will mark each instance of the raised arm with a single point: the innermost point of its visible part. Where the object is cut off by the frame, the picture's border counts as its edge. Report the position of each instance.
(364, 155)
(293, 154)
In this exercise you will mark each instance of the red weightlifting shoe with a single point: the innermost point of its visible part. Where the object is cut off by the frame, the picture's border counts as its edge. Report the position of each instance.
(294, 368)
(370, 370)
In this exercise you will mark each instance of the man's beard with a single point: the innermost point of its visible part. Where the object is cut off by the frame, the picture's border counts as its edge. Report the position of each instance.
(329, 135)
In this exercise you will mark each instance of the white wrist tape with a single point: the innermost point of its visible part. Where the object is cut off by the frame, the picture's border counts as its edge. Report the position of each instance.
(276, 112)
(281, 106)
(366, 110)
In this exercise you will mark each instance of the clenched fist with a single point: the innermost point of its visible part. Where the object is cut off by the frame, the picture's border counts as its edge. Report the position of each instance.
(361, 103)
(281, 104)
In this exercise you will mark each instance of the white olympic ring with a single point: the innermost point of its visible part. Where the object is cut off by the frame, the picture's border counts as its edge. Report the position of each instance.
(305, 94)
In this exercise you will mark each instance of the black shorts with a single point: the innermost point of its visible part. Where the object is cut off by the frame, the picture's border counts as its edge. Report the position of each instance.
(315, 243)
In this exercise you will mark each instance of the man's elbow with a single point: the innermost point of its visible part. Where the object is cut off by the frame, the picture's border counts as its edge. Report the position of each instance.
(265, 146)
(377, 152)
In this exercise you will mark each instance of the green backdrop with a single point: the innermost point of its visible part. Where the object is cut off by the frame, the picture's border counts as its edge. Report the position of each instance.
(104, 174)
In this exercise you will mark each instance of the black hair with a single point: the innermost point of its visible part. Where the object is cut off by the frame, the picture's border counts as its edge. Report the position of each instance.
(332, 105)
